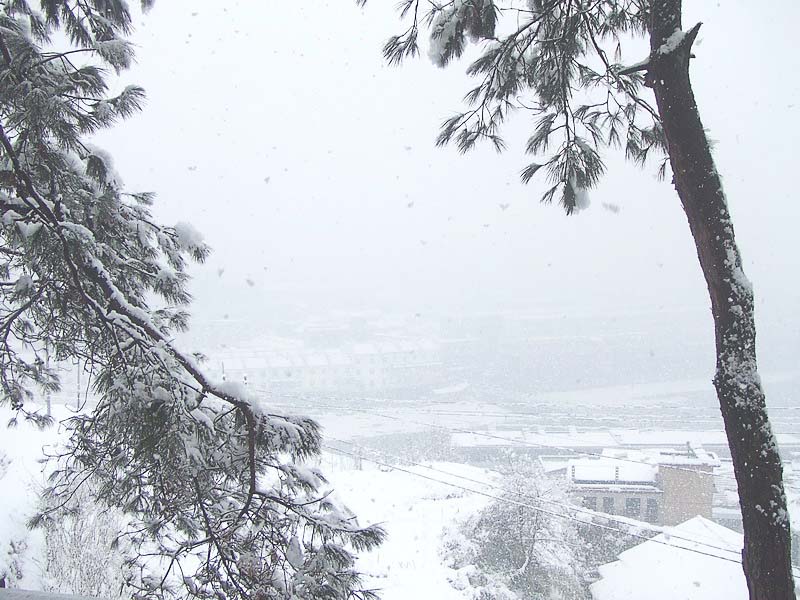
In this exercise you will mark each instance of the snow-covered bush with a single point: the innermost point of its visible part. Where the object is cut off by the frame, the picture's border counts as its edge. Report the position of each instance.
(82, 555)
(19, 481)
(516, 548)
(11, 565)
(4, 462)
(601, 541)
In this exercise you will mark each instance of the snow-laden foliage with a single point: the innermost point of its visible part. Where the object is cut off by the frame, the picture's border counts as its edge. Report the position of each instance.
(13, 570)
(532, 543)
(559, 61)
(511, 550)
(78, 557)
(217, 501)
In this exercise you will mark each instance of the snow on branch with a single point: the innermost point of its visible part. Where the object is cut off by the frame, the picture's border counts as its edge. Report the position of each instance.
(217, 501)
(678, 41)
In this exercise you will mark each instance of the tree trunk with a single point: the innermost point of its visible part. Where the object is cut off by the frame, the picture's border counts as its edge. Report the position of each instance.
(766, 556)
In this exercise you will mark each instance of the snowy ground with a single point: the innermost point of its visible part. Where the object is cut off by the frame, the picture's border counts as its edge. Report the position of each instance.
(414, 512)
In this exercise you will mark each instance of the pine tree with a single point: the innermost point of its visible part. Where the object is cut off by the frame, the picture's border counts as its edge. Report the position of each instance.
(218, 502)
(562, 61)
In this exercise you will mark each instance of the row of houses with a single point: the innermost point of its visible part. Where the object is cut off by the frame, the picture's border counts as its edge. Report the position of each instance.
(487, 446)
(674, 487)
(365, 368)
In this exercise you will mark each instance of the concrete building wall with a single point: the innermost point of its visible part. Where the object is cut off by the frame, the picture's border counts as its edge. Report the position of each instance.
(643, 505)
(688, 492)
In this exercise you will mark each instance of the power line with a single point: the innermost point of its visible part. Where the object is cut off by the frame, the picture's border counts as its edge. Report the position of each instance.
(518, 441)
(796, 571)
(535, 508)
(628, 522)
(725, 476)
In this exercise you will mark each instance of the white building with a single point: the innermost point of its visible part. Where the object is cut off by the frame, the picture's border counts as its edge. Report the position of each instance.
(663, 486)
(372, 368)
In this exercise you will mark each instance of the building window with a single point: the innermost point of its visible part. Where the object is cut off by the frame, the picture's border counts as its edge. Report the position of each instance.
(652, 510)
(590, 502)
(608, 505)
(633, 507)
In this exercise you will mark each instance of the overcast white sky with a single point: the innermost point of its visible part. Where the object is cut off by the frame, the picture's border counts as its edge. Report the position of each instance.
(310, 166)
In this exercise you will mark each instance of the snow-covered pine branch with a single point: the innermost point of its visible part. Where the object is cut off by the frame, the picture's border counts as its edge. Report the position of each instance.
(542, 57)
(216, 500)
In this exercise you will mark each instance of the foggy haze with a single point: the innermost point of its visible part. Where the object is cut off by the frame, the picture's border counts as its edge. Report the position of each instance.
(310, 167)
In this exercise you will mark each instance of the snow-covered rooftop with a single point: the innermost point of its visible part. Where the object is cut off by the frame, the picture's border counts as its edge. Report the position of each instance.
(693, 456)
(552, 464)
(618, 465)
(672, 444)
(657, 571)
(453, 389)
(506, 438)
(686, 455)
(680, 437)
(610, 470)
